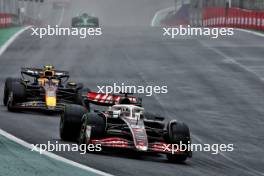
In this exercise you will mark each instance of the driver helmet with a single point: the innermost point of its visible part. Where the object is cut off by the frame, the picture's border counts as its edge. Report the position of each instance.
(85, 15)
(125, 100)
(49, 71)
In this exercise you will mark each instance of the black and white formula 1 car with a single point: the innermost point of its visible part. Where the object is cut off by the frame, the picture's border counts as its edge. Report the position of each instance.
(125, 124)
(41, 89)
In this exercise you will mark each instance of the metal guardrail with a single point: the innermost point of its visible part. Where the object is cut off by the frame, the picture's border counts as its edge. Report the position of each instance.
(9, 6)
(15, 12)
(9, 13)
(197, 7)
(243, 4)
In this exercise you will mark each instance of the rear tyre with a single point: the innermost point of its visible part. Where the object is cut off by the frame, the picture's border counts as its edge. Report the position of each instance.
(97, 23)
(70, 122)
(79, 96)
(7, 88)
(74, 22)
(8, 84)
(16, 94)
(178, 133)
(79, 85)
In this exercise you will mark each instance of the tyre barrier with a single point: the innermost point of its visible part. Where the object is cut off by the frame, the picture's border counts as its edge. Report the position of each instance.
(233, 17)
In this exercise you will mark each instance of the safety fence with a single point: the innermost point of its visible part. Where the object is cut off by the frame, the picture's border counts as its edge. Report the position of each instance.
(233, 17)
(8, 13)
(21, 12)
(7, 20)
(242, 4)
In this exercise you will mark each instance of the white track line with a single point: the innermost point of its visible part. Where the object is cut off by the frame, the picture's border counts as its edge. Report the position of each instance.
(249, 170)
(12, 39)
(52, 155)
(233, 61)
(61, 17)
(29, 146)
(228, 59)
(251, 32)
(158, 15)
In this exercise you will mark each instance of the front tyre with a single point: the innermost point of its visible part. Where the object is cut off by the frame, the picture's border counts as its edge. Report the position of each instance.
(97, 126)
(70, 122)
(179, 133)
(97, 23)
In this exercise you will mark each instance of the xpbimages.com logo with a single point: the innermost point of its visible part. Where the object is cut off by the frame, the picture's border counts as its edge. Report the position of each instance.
(58, 147)
(60, 31)
(139, 89)
(214, 33)
(211, 148)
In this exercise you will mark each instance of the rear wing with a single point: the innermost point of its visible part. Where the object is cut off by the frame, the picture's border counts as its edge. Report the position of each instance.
(36, 72)
(111, 99)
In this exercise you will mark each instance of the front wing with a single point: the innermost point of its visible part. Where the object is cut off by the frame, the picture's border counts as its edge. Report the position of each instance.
(38, 105)
(155, 147)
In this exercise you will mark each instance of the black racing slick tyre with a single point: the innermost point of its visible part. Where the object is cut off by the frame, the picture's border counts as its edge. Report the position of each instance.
(74, 22)
(97, 23)
(8, 84)
(7, 88)
(97, 124)
(84, 99)
(79, 86)
(80, 95)
(16, 94)
(70, 122)
(178, 133)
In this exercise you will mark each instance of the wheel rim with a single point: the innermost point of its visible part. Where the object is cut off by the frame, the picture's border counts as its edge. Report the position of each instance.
(82, 135)
(61, 123)
(10, 100)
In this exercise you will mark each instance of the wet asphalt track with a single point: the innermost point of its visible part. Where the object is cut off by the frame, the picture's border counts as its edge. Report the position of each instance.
(215, 86)
(220, 100)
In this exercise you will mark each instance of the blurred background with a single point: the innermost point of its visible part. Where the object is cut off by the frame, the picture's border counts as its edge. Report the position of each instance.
(135, 13)
(215, 85)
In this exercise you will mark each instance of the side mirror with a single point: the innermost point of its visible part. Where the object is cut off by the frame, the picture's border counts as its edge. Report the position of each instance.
(71, 84)
(26, 81)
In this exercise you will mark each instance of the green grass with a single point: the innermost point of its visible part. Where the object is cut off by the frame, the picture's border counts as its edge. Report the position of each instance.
(262, 32)
(6, 33)
(17, 160)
